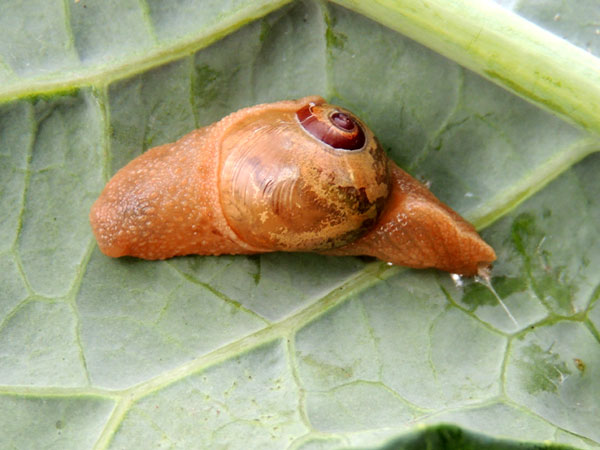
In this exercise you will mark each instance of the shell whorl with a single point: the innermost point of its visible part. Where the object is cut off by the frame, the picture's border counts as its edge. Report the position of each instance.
(332, 126)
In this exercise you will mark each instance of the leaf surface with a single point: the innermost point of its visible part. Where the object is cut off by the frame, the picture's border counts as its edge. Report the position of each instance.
(287, 350)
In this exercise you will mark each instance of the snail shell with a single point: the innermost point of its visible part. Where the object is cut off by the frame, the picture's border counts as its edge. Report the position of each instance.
(283, 189)
(288, 176)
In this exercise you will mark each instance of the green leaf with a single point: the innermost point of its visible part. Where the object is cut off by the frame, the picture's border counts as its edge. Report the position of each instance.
(301, 350)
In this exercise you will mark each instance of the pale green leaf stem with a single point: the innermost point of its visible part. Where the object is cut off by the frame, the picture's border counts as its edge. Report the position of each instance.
(501, 46)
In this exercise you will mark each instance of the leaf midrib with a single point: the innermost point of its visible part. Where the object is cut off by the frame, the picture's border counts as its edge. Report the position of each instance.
(101, 75)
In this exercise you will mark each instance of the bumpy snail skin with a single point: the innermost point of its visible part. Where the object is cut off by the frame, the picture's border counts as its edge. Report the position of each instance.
(166, 203)
(416, 230)
(291, 176)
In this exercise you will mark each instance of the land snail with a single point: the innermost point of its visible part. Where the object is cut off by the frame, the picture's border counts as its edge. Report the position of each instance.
(296, 176)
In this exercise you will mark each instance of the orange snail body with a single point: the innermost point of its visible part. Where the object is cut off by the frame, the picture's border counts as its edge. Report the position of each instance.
(288, 176)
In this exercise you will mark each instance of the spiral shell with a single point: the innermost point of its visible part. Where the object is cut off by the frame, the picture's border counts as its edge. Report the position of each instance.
(282, 188)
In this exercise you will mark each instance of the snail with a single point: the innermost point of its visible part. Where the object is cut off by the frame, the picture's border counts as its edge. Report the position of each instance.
(298, 175)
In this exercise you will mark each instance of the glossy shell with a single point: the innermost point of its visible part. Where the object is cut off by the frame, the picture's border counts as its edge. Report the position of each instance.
(282, 188)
